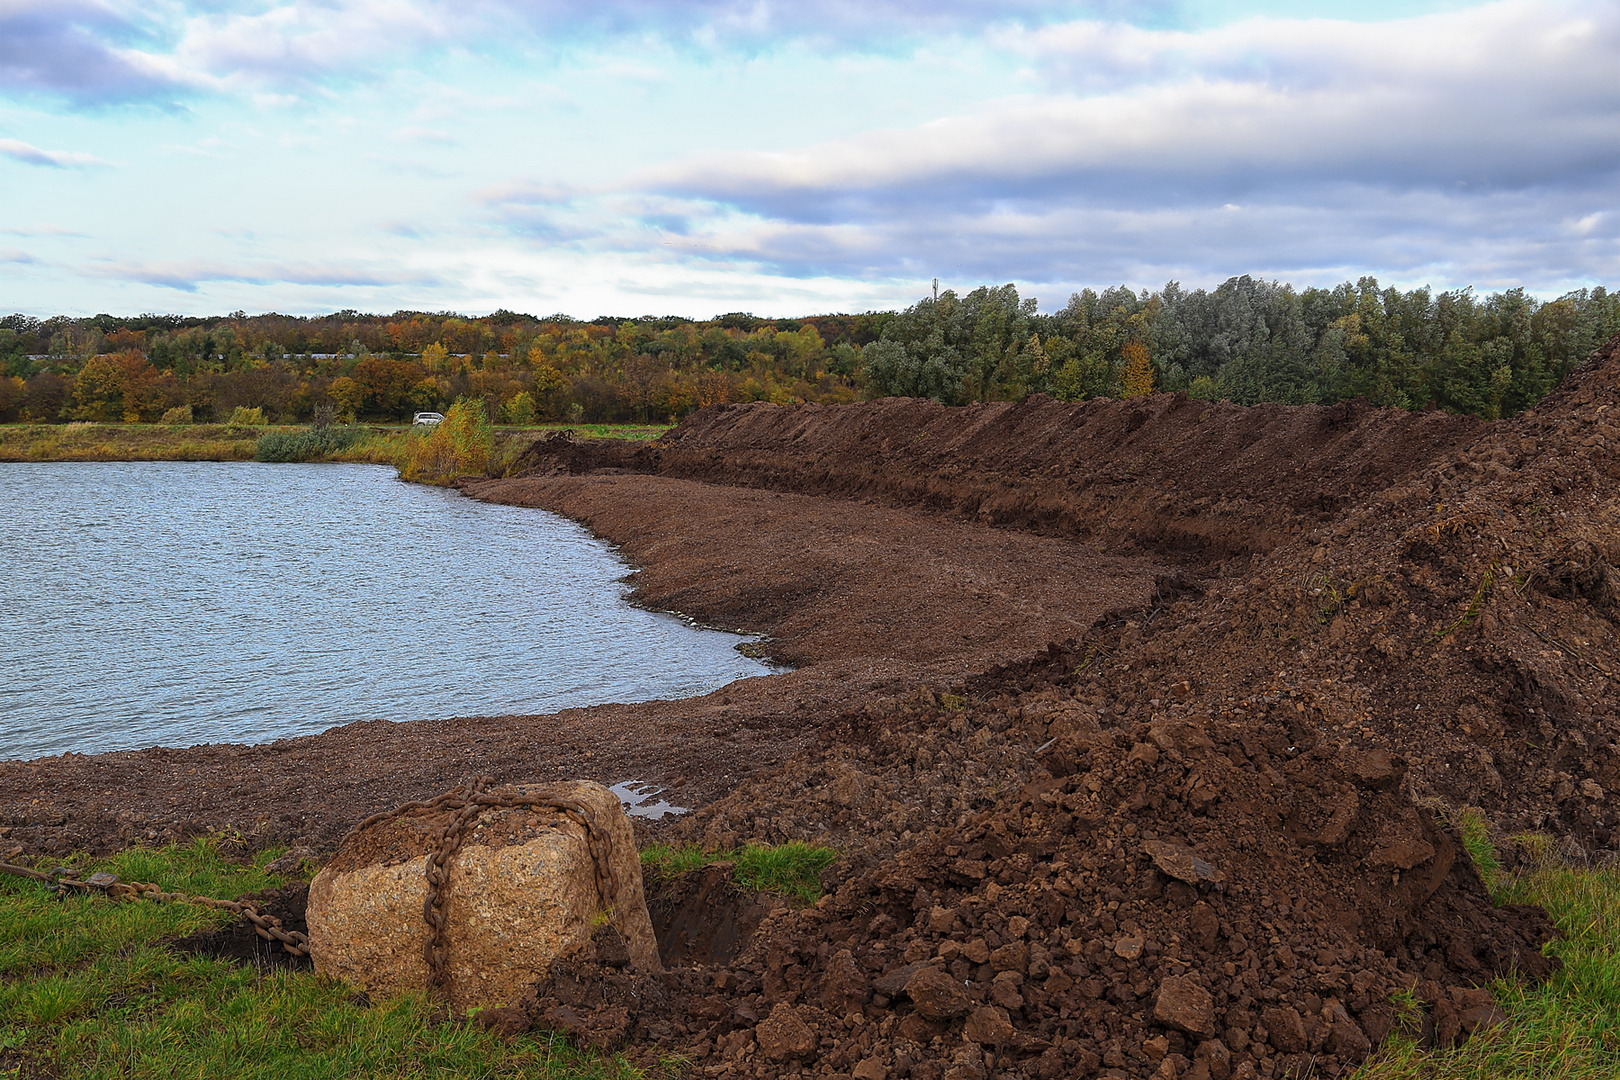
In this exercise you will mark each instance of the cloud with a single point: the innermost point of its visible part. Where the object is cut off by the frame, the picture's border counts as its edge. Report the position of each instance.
(1482, 144)
(1524, 100)
(293, 43)
(12, 255)
(113, 51)
(50, 159)
(865, 25)
(190, 275)
(75, 48)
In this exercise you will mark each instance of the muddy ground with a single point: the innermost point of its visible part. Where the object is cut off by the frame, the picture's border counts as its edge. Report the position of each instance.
(1139, 725)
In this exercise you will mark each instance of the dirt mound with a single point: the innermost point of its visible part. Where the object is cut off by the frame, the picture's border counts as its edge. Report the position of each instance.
(1239, 896)
(1114, 473)
(1201, 839)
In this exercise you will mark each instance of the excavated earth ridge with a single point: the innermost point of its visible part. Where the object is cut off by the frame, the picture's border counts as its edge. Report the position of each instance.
(1200, 839)
(1139, 726)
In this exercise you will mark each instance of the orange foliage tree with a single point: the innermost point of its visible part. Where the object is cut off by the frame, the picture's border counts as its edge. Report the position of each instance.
(1137, 378)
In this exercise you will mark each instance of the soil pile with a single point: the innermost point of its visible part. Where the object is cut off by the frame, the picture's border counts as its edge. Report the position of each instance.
(1186, 898)
(1113, 473)
(1200, 839)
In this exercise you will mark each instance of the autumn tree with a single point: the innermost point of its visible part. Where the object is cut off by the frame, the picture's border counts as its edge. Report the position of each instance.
(1136, 379)
(120, 386)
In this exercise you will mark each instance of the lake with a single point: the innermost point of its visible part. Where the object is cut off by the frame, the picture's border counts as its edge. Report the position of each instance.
(174, 603)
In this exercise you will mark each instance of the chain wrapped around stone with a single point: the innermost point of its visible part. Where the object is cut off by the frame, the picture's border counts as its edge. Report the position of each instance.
(266, 926)
(469, 800)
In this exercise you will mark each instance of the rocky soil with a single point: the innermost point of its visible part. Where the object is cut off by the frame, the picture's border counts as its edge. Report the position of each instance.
(1139, 725)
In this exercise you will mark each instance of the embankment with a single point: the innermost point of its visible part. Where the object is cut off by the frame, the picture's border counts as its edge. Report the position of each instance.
(1197, 482)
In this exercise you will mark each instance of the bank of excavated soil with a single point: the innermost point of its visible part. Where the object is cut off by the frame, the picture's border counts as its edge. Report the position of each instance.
(1138, 724)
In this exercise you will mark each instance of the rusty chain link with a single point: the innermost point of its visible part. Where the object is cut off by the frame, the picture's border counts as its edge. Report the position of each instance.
(470, 800)
(266, 926)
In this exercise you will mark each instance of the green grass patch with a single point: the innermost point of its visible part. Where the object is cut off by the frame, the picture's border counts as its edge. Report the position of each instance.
(792, 869)
(1568, 1027)
(89, 990)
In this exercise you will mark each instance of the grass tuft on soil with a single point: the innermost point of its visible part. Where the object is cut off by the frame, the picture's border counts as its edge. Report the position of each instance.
(1567, 1027)
(89, 989)
(792, 869)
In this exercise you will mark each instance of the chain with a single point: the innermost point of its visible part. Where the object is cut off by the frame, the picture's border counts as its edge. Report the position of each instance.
(470, 800)
(266, 926)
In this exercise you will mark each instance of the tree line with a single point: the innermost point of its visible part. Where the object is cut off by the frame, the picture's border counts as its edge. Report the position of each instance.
(1248, 340)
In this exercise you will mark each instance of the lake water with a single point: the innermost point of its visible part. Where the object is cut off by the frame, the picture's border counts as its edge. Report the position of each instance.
(174, 603)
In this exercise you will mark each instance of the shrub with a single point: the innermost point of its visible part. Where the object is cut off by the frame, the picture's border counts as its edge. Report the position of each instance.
(242, 416)
(180, 414)
(308, 445)
(458, 446)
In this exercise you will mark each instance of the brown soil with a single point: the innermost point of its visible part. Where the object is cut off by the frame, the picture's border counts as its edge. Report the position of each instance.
(1141, 769)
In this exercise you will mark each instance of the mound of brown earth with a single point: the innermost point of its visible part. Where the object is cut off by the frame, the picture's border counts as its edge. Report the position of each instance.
(1194, 481)
(1175, 899)
(1198, 840)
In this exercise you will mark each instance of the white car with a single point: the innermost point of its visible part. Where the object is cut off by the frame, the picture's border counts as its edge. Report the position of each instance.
(428, 419)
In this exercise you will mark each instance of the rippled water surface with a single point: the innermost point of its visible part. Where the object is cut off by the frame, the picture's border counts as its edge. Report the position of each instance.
(171, 603)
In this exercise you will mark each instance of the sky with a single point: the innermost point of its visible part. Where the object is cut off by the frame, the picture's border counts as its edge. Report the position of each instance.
(790, 157)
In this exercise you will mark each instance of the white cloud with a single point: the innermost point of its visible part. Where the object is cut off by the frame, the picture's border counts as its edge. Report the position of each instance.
(50, 159)
(1521, 97)
(111, 51)
(188, 275)
(1270, 143)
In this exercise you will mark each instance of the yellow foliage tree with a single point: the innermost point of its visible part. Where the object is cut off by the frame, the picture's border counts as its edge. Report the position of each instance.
(435, 356)
(1137, 378)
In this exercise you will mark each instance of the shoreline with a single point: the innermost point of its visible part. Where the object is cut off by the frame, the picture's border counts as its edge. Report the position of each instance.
(809, 573)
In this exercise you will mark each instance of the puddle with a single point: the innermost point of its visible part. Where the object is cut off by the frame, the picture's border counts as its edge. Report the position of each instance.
(641, 799)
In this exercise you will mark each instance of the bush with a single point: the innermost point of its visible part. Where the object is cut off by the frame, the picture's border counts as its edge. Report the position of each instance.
(459, 446)
(242, 416)
(308, 445)
(180, 414)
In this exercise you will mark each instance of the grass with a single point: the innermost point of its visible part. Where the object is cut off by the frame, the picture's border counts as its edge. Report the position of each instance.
(368, 444)
(791, 869)
(88, 989)
(1569, 1026)
(127, 442)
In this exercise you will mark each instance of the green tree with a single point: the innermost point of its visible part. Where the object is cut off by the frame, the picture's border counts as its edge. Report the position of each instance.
(520, 410)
